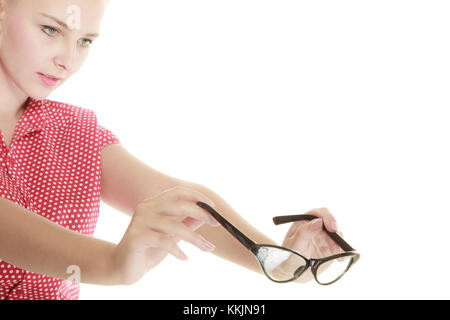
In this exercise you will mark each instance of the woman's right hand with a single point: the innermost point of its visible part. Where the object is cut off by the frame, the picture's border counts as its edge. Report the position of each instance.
(158, 223)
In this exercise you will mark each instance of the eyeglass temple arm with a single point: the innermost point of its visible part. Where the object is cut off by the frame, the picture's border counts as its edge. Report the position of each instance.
(298, 217)
(248, 243)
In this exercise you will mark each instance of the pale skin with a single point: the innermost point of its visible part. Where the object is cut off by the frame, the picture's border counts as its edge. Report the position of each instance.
(162, 208)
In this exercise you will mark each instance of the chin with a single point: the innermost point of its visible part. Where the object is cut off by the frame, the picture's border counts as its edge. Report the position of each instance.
(39, 92)
(38, 96)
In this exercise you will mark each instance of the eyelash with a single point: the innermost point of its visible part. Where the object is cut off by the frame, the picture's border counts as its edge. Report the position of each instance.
(50, 35)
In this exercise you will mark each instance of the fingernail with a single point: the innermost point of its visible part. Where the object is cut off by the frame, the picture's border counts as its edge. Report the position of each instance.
(316, 224)
(334, 226)
(208, 245)
(183, 256)
(214, 222)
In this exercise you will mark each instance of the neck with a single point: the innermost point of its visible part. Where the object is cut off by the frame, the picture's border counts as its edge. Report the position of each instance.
(12, 98)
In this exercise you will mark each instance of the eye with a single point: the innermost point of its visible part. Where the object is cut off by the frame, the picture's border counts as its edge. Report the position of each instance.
(85, 43)
(51, 29)
(88, 41)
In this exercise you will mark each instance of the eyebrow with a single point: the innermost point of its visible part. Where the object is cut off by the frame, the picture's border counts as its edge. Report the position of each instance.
(62, 24)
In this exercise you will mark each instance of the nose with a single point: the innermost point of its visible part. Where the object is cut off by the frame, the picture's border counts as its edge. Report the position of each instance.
(66, 58)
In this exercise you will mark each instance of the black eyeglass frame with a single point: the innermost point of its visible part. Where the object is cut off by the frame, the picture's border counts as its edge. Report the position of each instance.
(313, 263)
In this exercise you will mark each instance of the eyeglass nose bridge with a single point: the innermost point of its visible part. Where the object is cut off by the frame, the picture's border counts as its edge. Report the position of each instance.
(300, 270)
(314, 263)
(310, 263)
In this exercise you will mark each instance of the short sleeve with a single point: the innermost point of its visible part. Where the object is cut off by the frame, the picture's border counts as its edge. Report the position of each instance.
(105, 136)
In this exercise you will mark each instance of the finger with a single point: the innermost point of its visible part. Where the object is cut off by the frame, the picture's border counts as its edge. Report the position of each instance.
(334, 247)
(302, 240)
(316, 225)
(305, 232)
(188, 194)
(323, 246)
(176, 229)
(294, 228)
(317, 229)
(315, 250)
(328, 219)
(161, 241)
(187, 208)
(192, 223)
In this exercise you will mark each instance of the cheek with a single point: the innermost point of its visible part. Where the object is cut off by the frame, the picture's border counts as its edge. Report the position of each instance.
(25, 42)
(20, 35)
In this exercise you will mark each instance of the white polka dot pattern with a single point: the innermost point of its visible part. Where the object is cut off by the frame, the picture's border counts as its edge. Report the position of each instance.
(52, 168)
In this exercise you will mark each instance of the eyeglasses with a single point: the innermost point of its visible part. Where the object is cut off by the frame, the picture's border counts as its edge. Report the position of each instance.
(282, 264)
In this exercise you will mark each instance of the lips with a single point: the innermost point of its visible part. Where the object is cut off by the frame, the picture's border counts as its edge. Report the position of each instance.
(50, 76)
(48, 80)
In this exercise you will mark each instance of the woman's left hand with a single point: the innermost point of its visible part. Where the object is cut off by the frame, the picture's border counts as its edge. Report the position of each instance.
(309, 239)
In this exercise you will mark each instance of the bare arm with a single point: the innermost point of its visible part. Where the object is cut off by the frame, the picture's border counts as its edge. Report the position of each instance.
(127, 180)
(227, 247)
(36, 244)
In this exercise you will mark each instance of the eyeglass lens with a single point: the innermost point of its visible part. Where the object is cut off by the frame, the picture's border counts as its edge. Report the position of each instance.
(284, 265)
(279, 264)
(332, 270)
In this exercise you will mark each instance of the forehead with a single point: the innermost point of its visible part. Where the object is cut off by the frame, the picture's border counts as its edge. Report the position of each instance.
(88, 13)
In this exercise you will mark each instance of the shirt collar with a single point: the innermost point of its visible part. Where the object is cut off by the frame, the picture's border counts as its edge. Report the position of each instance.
(40, 114)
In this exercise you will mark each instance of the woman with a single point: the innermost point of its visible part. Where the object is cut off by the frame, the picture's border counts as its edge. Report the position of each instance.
(58, 162)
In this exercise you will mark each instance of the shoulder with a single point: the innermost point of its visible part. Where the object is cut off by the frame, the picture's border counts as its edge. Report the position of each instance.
(75, 114)
(80, 122)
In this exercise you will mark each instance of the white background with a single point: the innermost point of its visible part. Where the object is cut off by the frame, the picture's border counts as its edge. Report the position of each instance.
(281, 107)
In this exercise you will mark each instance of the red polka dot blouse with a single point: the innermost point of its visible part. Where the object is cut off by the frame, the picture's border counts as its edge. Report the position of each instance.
(52, 168)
